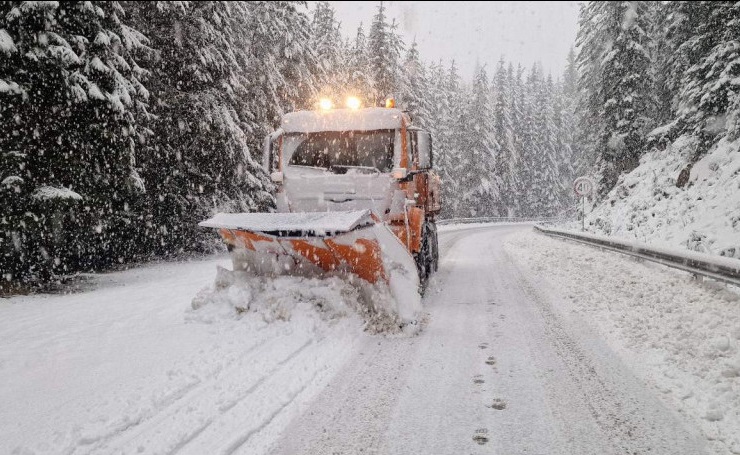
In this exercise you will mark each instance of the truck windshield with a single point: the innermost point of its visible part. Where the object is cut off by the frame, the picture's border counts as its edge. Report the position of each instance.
(341, 152)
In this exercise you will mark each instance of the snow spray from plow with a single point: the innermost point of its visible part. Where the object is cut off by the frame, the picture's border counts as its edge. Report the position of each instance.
(331, 244)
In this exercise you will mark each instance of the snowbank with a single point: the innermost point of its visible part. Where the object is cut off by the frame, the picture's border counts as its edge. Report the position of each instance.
(680, 336)
(282, 298)
(702, 215)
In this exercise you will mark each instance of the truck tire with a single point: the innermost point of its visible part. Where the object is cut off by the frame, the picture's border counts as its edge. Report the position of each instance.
(435, 246)
(426, 258)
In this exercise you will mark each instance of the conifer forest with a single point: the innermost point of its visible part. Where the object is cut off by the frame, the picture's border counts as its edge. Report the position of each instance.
(123, 124)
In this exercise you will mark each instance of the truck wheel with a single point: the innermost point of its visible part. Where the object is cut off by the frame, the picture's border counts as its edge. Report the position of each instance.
(434, 247)
(426, 257)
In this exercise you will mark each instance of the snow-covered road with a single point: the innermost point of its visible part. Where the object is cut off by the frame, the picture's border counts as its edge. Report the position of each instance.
(495, 371)
(506, 363)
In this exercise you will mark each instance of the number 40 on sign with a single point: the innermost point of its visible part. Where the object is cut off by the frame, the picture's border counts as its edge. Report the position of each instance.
(584, 187)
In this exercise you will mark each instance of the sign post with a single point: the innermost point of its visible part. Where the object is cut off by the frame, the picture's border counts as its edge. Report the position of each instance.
(584, 187)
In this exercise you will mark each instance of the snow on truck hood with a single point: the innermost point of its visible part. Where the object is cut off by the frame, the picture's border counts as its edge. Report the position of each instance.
(367, 119)
(305, 221)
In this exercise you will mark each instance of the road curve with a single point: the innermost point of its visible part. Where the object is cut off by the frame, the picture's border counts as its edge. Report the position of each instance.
(497, 370)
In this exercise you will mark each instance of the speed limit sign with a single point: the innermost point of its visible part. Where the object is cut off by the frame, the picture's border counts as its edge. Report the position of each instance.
(584, 186)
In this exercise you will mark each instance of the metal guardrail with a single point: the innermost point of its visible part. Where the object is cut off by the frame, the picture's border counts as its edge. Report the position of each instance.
(498, 220)
(715, 267)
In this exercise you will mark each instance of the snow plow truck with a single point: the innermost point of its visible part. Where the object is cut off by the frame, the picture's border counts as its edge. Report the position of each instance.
(356, 195)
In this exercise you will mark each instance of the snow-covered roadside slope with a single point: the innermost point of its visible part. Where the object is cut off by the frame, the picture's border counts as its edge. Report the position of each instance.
(680, 336)
(129, 367)
(703, 215)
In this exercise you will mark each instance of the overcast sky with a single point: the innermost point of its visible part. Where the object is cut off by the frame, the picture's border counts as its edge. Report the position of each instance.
(523, 32)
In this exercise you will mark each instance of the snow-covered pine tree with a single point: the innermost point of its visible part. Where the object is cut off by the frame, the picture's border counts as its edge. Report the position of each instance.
(436, 122)
(359, 80)
(562, 153)
(581, 161)
(481, 185)
(626, 80)
(384, 53)
(198, 158)
(326, 43)
(414, 88)
(507, 160)
(574, 163)
(277, 34)
(451, 141)
(591, 41)
(709, 97)
(545, 188)
(70, 102)
(685, 46)
(530, 152)
(516, 102)
(660, 56)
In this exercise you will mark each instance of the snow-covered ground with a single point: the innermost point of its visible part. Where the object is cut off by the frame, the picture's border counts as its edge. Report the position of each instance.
(529, 345)
(680, 336)
(130, 368)
(702, 215)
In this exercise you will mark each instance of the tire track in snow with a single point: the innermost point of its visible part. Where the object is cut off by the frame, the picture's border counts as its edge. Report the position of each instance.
(361, 408)
(251, 426)
(416, 396)
(632, 419)
(223, 409)
(241, 440)
(121, 439)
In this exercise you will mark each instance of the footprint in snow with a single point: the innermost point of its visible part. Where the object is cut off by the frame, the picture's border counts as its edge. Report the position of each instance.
(491, 361)
(483, 345)
(478, 379)
(498, 404)
(481, 436)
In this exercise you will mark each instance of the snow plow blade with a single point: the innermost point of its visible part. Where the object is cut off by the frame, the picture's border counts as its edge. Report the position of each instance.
(310, 244)
(307, 243)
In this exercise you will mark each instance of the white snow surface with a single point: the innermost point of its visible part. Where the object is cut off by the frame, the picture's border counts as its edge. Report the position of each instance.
(10, 87)
(529, 345)
(6, 42)
(12, 180)
(731, 263)
(704, 215)
(367, 119)
(678, 335)
(303, 221)
(275, 299)
(403, 279)
(44, 193)
(130, 367)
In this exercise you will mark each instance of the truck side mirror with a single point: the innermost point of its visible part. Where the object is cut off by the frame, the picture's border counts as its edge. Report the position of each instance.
(424, 147)
(270, 148)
